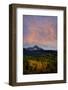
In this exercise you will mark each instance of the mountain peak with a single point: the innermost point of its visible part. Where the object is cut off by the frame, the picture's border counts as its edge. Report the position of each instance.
(35, 47)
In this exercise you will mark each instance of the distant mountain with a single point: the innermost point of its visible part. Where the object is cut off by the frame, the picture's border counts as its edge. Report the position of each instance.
(37, 51)
(34, 48)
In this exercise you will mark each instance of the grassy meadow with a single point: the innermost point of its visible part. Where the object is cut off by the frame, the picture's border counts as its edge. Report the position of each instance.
(40, 63)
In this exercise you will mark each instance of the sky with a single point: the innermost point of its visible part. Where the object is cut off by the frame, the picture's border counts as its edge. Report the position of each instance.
(40, 30)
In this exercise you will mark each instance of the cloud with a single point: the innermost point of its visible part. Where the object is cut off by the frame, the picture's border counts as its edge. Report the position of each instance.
(41, 33)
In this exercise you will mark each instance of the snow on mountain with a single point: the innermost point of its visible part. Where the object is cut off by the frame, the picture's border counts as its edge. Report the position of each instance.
(34, 48)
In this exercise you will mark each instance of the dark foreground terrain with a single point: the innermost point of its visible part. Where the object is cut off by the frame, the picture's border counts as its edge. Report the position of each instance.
(39, 61)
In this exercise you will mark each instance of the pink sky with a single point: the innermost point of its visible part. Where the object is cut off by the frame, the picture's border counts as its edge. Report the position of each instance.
(40, 30)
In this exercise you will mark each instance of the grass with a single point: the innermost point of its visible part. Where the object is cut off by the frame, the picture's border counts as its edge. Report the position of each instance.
(40, 64)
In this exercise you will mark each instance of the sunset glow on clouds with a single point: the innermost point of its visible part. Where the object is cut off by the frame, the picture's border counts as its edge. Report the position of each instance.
(40, 30)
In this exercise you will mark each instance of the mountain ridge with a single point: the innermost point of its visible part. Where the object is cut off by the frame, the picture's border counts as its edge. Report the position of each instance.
(36, 47)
